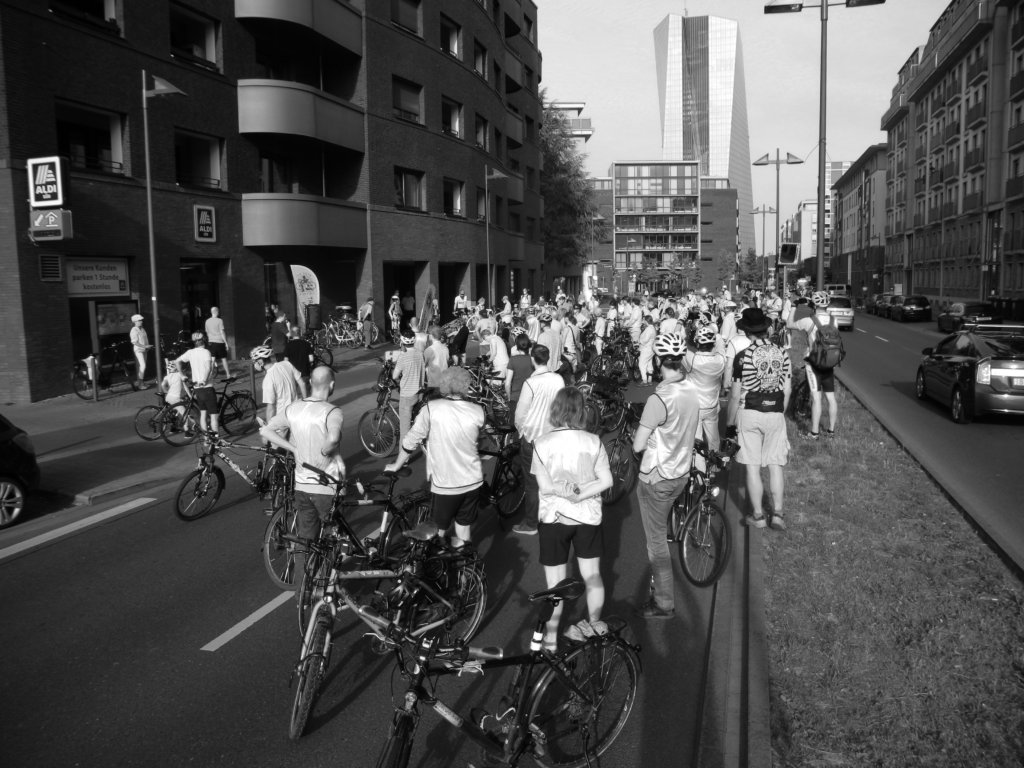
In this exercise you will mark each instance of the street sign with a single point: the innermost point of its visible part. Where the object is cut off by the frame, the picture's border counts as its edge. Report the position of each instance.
(204, 219)
(50, 225)
(45, 182)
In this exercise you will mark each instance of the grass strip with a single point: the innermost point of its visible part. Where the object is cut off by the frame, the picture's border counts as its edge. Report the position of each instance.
(895, 634)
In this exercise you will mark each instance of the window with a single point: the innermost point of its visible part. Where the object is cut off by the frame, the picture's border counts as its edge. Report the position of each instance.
(101, 13)
(193, 37)
(406, 14)
(92, 140)
(196, 160)
(480, 60)
(481, 204)
(453, 197)
(409, 189)
(277, 175)
(481, 132)
(528, 32)
(499, 144)
(406, 99)
(451, 37)
(497, 80)
(451, 117)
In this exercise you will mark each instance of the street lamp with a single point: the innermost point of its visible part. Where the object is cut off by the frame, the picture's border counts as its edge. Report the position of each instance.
(790, 159)
(763, 212)
(796, 8)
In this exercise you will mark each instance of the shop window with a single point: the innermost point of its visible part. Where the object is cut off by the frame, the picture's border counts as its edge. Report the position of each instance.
(453, 191)
(193, 37)
(90, 139)
(197, 160)
(409, 189)
(407, 99)
(451, 117)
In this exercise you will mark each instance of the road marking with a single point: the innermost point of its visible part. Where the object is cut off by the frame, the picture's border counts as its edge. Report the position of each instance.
(881, 339)
(57, 533)
(247, 622)
(861, 330)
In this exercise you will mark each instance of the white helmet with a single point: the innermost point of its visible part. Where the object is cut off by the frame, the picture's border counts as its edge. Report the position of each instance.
(259, 356)
(669, 345)
(820, 298)
(705, 334)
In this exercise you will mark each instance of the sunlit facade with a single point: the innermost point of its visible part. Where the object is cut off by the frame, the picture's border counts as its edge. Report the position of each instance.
(704, 103)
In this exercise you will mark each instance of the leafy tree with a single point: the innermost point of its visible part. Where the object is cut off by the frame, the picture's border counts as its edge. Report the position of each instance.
(751, 269)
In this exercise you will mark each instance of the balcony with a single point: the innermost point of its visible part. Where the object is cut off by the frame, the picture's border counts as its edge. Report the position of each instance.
(921, 152)
(514, 128)
(514, 190)
(897, 109)
(976, 70)
(1017, 85)
(953, 95)
(918, 220)
(936, 179)
(1017, 33)
(973, 201)
(901, 167)
(949, 210)
(938, 104)
(974, 159)
(513, 71)
(959, 28)
(952, 133)
(294, 109)
(1015, 136)
(331, 19)
(302, 220)
(950, 171)
(976, 114)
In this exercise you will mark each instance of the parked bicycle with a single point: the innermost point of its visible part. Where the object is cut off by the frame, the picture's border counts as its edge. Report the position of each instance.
(696, 523)
(561, 709)
(112, 369)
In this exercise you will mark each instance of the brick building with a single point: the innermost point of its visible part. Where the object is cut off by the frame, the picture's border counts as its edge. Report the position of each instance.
(353, 138)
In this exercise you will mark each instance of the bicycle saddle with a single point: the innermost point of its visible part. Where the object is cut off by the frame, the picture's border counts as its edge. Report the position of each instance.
(566, 589)
(425, 531)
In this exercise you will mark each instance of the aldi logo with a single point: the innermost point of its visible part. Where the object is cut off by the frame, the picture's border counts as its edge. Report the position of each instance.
(45, 182)
(205, 220)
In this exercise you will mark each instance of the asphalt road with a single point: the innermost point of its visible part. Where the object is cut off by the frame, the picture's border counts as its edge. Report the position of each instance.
(978, 464)
(104, 630)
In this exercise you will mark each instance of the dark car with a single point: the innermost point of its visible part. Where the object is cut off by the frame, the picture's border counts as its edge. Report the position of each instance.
(975, 371)
(911, 308)
(19, 472)
(960, 314)
(883, 303)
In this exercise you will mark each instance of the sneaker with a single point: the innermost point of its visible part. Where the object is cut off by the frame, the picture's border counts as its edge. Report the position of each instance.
(809, 435)
(755, 521)
(651, 610)
(525, 530)
(830, 433)
(778, 523)
(582, 629)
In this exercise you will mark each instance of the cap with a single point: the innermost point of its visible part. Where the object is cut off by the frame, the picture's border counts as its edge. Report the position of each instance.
(136, 318)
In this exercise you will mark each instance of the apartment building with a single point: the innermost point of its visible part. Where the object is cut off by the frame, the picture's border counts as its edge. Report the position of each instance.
(858, 240)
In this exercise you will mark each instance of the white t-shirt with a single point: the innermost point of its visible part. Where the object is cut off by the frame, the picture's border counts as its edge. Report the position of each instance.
(281, 385)
(215, 330)
(570, 456)
(201, 364)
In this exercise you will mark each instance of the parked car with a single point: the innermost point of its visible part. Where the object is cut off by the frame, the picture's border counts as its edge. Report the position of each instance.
(882, 307)
(960, 314)
(894, 306)
(19, 472)
(911, 308)
(975, 371)
(870, 302)
(841, 309)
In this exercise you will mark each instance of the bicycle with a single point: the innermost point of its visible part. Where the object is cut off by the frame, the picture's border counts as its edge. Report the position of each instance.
(606, 406)
(621, 460)
(237, 414)
(199, 492)
(800, 401)
(696, 524)
(379, 426)
(110, 369)
(151, 422)
(561, 709)
(506, 488)
(437, 589)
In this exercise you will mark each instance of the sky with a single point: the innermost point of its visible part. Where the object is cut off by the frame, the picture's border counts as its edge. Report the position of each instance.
(601, 52)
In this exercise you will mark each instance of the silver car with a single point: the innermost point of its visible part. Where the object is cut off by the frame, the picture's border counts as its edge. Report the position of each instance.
(841, 309)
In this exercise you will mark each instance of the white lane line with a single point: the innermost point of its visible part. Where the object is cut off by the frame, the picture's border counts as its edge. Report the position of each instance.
(861, 330)
(247, 622)
(881, 339)
(57, 533)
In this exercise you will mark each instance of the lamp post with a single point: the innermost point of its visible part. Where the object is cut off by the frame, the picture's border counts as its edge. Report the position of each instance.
(778, 162)
(763, 212)
(796, 8)
(593, 259)
(160, 87)
(489, 174)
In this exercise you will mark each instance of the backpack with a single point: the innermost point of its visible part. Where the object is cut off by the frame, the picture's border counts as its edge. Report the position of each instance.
(827, 349)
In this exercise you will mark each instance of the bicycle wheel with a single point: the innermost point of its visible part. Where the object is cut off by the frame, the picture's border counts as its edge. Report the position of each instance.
(378, 432)
(624, 472)
(352, 340)
(323, 356)
(599, 365)
(705, 544)
(577, 729)
(81, 384)
(613, 416)
(311, 670)
(399, 744)
(278, 554)
(509, 487)
(470, 600)
(238, 414)
(313, 582)
(183, 427)
(322, 337)
(375, 334)
(149, 423)
(198, 493)
(121, 378)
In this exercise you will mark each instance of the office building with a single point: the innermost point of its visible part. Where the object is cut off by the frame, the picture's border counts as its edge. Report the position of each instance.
(703, 101)
(858, 242)
(389, 147)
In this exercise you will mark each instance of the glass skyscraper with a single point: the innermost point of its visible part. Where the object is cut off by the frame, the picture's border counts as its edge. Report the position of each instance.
(704, 104)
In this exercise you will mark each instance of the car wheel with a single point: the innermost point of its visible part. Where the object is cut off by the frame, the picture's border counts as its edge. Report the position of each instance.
(958, 407)
(919, 387)
(12, 501)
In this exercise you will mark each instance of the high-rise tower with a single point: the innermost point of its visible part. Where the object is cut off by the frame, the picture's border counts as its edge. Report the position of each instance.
(704, 104)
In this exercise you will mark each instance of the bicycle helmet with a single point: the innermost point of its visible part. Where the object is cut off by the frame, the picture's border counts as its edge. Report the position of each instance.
(705, 319)
(518, 331)
(170, 365)
(408, 338)
(544, 317)
(705, 334)
(259, 356)
(820, 298)
(669, 345)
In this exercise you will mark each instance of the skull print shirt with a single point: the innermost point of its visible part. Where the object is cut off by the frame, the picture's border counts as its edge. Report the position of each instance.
(764, 371)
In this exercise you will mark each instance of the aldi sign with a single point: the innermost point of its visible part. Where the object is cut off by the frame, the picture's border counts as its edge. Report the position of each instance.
(45, 182)
(205, 220)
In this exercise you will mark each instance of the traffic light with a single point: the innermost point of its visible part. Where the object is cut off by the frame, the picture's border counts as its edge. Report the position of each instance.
(789, 253)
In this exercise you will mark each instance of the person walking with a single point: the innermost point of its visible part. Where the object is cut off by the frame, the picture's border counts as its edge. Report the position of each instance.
(140, 347)
(394, 316)
(532, 419)
(435, 357)
(409, 371)
(458, 342)
(819, 380)
(520, 368)
(571, 469)
(645, 361)
(217, 340)
(761, 380)
(408, 307)
(665, 436)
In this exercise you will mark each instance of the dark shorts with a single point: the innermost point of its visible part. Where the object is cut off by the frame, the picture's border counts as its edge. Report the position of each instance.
(821, 379)
(218, 349)
(461, 508)
(557, 538)
(206, 399)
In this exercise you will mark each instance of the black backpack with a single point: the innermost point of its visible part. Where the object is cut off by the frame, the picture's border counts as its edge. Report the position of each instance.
(827, 349)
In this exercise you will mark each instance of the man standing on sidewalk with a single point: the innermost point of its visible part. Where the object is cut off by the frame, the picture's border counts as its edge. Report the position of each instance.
(217, 340)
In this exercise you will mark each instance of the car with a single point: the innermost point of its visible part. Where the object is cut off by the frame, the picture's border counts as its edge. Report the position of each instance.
(894, 306)
(975, 371)
(19, 471)
(911, 308)
(882, 307)
(961, 313)
(841, 309)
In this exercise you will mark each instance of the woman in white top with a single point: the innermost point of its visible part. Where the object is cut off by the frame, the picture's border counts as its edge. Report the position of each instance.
(571, 467)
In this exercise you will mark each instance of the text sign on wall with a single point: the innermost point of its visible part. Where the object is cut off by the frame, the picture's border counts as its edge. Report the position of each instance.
(205, 219)
(89, 277)
(45, 185)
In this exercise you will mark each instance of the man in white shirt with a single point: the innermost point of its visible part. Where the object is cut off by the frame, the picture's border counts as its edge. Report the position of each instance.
(200, 363)
(282, 385)
(461, 303)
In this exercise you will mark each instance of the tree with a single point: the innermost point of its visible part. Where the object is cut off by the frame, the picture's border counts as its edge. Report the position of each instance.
(569, 202)
(751, 269)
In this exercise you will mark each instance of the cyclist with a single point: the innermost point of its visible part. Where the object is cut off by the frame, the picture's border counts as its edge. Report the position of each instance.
(409, 372)
(200, 363)
(314, 427)
(461, 304)
(665, 435)
(173, 386)
(820, 381)
(705, 365)
(282, 385)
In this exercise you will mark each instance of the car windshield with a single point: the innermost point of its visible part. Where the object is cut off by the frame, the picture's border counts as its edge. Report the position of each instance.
(842, 303)
(917, 301)
(979, 309)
